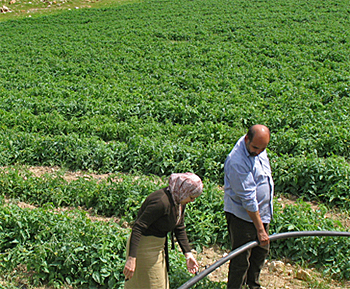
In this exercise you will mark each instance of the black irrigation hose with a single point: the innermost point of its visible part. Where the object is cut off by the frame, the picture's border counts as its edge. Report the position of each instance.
(253, 244)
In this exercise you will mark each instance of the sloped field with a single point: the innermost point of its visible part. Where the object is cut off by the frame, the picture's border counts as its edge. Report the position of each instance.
(137, 91)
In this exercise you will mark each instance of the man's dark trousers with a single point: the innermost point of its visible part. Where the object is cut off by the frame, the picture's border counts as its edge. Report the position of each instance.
(245, 268)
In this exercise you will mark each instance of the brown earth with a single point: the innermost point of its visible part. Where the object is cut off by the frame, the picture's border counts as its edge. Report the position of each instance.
(276, 274)
(285, 275)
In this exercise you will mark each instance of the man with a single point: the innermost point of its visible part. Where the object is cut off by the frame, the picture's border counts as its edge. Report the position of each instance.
(248, 205)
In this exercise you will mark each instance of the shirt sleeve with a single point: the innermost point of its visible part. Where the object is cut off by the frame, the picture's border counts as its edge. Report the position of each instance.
(153, 211)
(242, 182)
(181, 235)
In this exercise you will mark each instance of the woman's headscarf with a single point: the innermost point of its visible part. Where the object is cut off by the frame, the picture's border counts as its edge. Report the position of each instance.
(182, 186)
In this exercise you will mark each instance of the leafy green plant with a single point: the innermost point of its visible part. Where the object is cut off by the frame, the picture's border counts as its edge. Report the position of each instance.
(312, 178)
(62, 247)
(326, 253)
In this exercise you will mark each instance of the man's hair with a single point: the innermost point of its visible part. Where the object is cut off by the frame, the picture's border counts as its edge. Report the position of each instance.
(251, 133)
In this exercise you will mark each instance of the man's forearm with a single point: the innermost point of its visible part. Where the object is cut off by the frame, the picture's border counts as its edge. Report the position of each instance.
(262, 234)
(255, 216)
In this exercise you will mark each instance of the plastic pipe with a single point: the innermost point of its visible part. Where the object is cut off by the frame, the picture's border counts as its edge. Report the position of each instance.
(253, 244)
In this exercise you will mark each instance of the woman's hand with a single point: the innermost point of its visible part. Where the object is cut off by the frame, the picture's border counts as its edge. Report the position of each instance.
(192, 265)
(129, 267)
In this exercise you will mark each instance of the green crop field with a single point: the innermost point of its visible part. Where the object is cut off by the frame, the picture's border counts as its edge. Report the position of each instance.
(138, 90)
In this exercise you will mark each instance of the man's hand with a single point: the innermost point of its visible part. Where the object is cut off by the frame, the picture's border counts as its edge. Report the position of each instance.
(263, 236)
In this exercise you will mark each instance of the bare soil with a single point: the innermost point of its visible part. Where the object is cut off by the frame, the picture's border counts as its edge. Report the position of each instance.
(288, 276)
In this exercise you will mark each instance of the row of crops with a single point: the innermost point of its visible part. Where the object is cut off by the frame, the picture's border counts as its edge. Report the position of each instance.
(65, 246)
(140, 90)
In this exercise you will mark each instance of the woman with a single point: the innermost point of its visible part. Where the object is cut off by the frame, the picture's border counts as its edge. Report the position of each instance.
(161, 212)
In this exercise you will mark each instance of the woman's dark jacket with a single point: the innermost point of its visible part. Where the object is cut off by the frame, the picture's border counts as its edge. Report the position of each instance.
(157, 217)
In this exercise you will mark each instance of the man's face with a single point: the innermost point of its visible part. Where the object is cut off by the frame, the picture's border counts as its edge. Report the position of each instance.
(255, 146)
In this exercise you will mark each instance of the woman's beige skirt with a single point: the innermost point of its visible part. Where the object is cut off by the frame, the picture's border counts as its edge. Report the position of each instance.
(151, 271)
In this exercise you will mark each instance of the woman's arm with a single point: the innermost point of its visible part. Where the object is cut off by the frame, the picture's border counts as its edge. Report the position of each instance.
(152, 209)
(181, 236)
